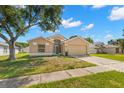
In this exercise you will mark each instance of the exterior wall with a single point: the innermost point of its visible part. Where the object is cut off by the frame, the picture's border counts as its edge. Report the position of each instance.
(33, 47)
(110, 50)
(120, 50)
(2, 53)
(91, 49)
(76, 47)
(26, 49)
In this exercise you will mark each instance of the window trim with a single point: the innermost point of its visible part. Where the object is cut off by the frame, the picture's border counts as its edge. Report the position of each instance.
(43, 48)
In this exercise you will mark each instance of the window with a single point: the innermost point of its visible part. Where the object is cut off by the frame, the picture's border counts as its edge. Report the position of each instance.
(41, 48)
(57, 42)
(5, 50)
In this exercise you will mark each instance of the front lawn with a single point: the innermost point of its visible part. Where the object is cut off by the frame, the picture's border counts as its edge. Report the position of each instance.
(25, 65)
(119, 57)
(111, 79)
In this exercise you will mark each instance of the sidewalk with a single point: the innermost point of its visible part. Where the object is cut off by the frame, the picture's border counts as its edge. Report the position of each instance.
(48, 77)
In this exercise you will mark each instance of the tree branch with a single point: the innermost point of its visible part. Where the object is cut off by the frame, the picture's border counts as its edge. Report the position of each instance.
(9, 31)
(22, 30)
(4, 38)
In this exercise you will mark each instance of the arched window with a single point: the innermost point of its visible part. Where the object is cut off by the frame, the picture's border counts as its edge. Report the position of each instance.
(57, 42)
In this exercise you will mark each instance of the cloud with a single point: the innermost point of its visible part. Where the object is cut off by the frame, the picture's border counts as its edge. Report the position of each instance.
(98, 6)
(53, 31)
(97, 40)
(117, 13)
(108, 36)
(88, 27)
(70, 23)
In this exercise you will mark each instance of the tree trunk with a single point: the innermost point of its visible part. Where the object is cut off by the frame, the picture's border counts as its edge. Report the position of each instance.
(12, 50)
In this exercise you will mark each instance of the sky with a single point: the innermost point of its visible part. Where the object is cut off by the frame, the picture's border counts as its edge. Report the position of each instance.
(101, 23)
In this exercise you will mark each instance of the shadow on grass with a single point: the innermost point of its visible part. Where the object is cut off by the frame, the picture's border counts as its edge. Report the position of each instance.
(19, 67)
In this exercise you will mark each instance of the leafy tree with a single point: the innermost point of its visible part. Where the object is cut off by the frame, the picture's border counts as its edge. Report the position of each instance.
(123, 32)
(121, 44)
(73, 36)
(16, 21)
(112, 42)
(89, 39)
(21, 45)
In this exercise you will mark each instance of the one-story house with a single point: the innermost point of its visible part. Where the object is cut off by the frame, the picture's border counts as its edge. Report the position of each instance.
(110, 49)
(4, 49)
(58, 44)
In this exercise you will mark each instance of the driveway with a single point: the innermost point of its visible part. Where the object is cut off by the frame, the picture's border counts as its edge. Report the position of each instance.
(113, 64)
(99, 60)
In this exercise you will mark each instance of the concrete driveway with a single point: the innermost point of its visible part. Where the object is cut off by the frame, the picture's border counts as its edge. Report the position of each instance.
(99, 60)
(109, 63)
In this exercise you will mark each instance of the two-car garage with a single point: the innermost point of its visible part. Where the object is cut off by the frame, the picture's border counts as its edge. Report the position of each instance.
(76, 47)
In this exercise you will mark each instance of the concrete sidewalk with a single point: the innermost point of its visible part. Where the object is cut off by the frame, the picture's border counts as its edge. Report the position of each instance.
(48, 77)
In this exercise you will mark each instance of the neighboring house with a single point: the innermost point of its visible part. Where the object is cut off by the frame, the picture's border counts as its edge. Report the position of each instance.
(92, 49)
(25, 49)
(4, 49)
(58, 44)
(110, 49)
(99, 43)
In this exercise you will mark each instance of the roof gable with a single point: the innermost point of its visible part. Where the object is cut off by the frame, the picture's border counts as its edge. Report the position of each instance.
(77, 38)
(56, 36)
(40, 38)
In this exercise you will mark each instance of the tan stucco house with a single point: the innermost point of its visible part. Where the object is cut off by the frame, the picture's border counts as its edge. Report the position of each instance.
(58, 44)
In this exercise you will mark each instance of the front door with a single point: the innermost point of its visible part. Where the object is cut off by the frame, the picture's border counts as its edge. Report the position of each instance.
(57, 49)
(117, 50)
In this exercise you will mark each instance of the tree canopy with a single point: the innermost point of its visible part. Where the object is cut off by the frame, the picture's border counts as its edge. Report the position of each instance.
(89, 39)
(21, 44)
(73, 36)
(16, 20)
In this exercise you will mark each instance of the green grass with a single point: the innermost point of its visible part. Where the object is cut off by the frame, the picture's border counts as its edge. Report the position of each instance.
(25, 65)
(119, 57)
(111, 79)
